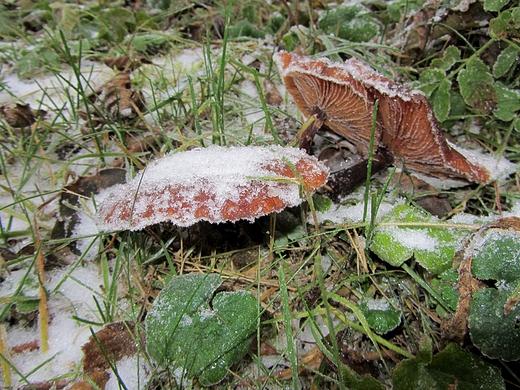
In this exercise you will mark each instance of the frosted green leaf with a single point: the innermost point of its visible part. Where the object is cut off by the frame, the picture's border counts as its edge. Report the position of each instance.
(441, 100)
(430, 79)
(450, 366)
(496, 335)
(352, 23)
(201, 340)
(450, 56)
(496, 259)
(321, 203)
(508, 102)
(380, 314)
(432, 244)
(476, 87)
(505, 60)
(506, 24)
(494, 5)
(445, 285)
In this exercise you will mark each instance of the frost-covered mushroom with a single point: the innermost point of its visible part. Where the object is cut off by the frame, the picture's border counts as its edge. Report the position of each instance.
(343, 95)
(215, 184)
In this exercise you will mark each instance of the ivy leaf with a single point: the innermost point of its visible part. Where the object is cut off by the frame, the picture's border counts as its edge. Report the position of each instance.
(476, 87)
(493, 329)
(186, 333)
(494, 333)
(505, 60)
(432, 245)
(450, 368)
(441, 100)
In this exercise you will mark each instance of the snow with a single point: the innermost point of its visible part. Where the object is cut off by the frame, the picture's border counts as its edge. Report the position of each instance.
(352, 208)
(66, 335)
(216, 184)
(132, 371)
(413, 239)
(377, 304)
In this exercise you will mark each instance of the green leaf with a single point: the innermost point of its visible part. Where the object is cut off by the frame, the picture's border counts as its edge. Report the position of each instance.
(245, 28)
(29, 65)
(353, 381)
(27, 304)
(505, 60)
(352, 23)
(494, 5)
(505, 25)
(496, 335)
(450, 56)
(430, 79)
(185, 332)
(496, 258)
(452, 367)
(445, 285)
(432, 246)
(476, 87)
(508, 102)
(321, 203)
(441, 100)
(380, 314)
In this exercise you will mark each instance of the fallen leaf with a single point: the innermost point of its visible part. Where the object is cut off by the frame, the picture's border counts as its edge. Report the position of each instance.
(115, 341)
(215, 184)
(117, 100)
(343, 97)
(271, 94)
(22, 115)
(125, 63)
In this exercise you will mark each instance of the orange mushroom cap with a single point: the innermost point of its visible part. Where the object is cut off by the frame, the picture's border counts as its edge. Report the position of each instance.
(346, 93)
(215, 184)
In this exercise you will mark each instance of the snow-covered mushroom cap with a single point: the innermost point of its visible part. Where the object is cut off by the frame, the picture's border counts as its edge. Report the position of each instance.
(215, 184)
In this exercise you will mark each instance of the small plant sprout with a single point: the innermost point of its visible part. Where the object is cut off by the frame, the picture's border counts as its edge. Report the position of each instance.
(215, 184)
(342, 96)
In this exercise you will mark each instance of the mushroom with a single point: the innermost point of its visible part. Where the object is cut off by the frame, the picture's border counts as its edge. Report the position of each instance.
(215, 184)
(343, 96)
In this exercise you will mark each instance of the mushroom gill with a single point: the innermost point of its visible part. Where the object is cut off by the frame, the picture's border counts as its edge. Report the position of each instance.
(344, 95)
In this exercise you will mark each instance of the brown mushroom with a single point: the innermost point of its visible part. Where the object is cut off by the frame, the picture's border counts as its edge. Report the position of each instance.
(215, 184)
(343, 97)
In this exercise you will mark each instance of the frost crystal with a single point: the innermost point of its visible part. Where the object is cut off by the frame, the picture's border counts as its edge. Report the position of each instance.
(215, 184)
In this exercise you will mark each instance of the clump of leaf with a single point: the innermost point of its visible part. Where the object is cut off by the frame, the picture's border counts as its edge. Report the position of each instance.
(199, 335)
